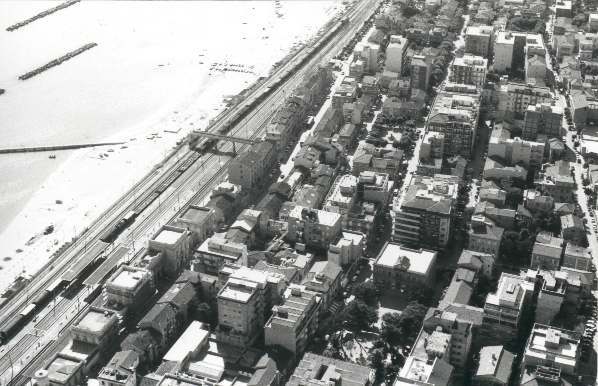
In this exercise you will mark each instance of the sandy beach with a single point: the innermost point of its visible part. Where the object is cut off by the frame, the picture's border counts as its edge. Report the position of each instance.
(82, 184)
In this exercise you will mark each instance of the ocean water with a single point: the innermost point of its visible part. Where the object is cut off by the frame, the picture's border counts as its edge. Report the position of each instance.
(152, 61)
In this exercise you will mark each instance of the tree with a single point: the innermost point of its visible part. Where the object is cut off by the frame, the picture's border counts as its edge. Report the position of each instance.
(359, 316)
(366, 292)
(402, 329)
(376, 359)
(205, 313)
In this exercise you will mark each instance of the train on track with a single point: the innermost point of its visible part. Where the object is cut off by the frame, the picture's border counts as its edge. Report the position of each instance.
(14, 324)
(204, 145)
(17, 322)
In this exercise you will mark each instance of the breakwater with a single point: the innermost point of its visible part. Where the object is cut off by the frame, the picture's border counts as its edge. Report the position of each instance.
(57, 61)
(57, 147)
(40, 15)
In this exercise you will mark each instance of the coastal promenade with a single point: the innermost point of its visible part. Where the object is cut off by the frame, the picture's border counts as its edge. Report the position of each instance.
(193, 186)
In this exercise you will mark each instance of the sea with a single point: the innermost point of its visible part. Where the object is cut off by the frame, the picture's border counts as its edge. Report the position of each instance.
(152, 71)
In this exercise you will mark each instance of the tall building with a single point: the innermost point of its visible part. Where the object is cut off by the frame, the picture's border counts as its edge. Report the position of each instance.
(515, 150)
(456, 116)
(514, 98)
(395, 53)
(294, 322)
(241, 311)
(478, 40)
(504, 308)
(423, 215)
(420, 71)
(469, 69)
(512, 48)
(543, 119)
(249, 169)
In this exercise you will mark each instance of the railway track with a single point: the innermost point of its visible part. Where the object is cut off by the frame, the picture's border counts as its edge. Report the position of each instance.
(206, 171)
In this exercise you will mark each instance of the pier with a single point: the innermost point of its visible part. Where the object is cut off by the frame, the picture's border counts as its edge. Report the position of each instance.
(57, 61)
(40, 15)
(58, 147)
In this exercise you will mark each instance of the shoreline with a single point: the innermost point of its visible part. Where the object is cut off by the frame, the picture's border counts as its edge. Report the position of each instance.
(80, 203)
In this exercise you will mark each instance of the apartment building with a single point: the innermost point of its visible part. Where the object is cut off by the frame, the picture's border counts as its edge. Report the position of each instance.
(315, 228)
(577, 257)
(547, 251)
(241, 311)
(459, 327)
(456, 116)
(553, 347)
(515, 150)
(543, 118)
(512, 48)
(250, 169)
(294, 322)
(478, 40)
(395, 53)
(515, 98)
(421, 71)
(469, 69)
(556, 181)
(503, 309)
(423, 215)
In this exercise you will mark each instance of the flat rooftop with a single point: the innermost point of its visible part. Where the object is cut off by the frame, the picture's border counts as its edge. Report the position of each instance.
(196, 214)
(189, 342)
(238, 290)
(127, 279)
(167, 236)
(420, 260)
(96, 321)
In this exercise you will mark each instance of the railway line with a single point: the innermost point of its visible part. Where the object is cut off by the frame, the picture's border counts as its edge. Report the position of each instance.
(197, 174)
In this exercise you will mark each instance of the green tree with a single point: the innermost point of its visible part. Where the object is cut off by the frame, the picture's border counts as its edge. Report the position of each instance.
(366, 292)
(359, 316)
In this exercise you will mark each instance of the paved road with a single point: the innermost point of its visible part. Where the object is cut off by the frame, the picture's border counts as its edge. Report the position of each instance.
(196, 183)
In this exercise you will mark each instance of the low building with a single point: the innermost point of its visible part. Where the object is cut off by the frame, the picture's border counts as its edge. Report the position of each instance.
(573, 229)
(199, 220)
(495, 367)
(557, 182)
(577, 257)
(553, 347)
(175, 244)
(128, 287)
(484, 236)
(295, 321)
(348, 249)
(375, 187)
(324, 277)
(63, 371)
(400, 267)
(535, 201)
(97, 327)
(547, 252)
(482, 263)
(316, 369)
(315, 228)
(121, 370)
